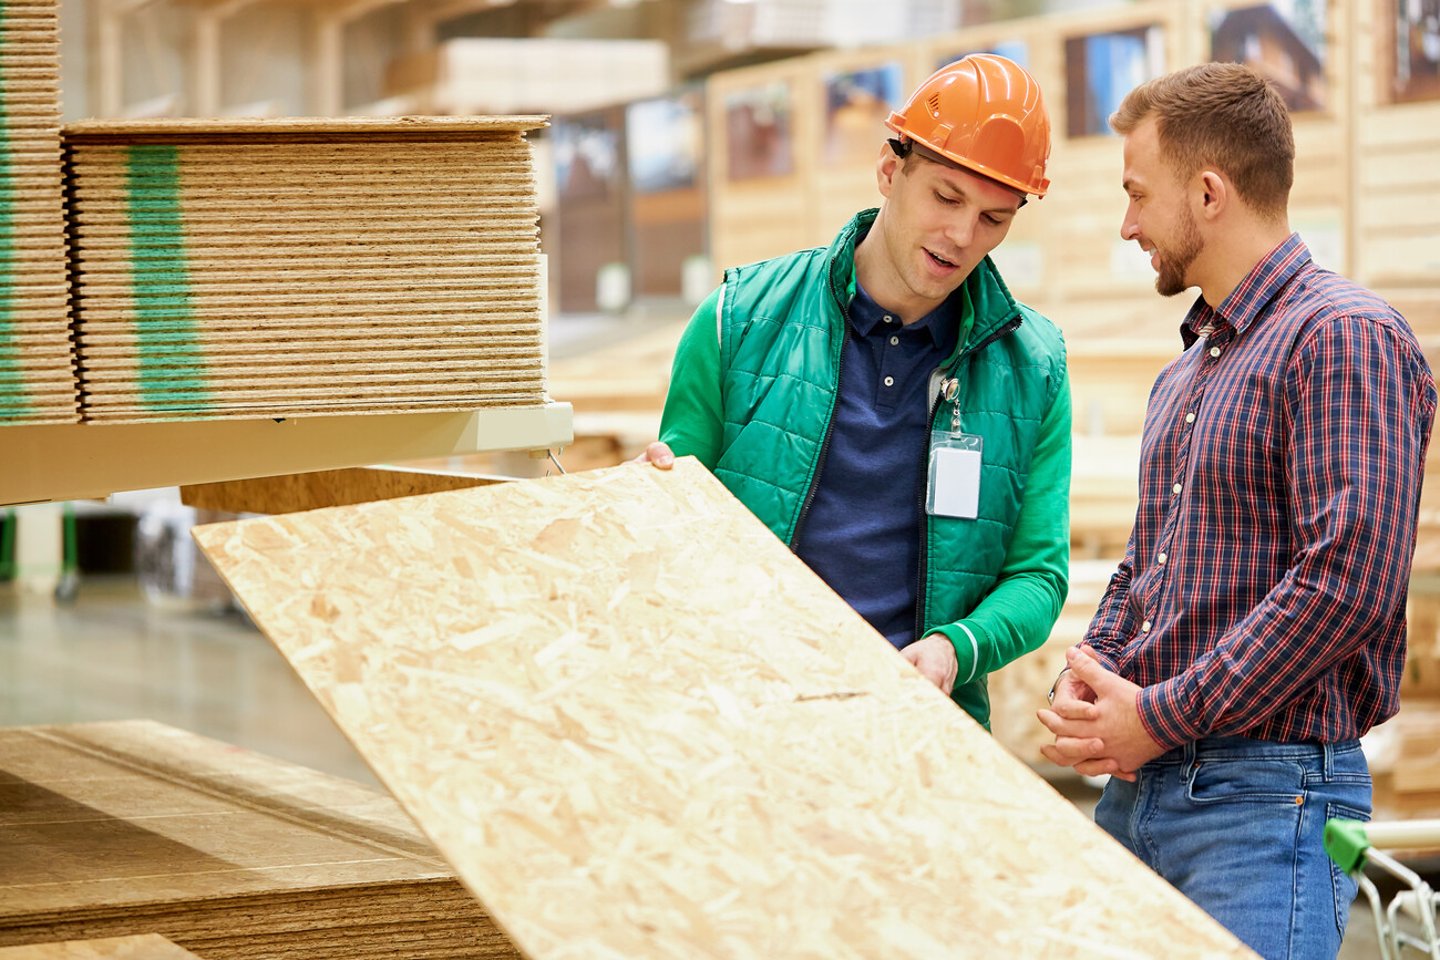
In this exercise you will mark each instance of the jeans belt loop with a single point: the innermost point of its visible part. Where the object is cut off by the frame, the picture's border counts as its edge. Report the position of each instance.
(1188, 756)
(1327, 761)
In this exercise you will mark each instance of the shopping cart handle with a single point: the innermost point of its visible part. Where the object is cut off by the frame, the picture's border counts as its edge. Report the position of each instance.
(1346, 843)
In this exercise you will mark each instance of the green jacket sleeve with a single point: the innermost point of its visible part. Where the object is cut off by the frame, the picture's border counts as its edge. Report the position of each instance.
(691, 423)
(1019, 612)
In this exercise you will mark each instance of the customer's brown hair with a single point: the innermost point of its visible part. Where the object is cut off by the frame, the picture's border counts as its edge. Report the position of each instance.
(1221, 115)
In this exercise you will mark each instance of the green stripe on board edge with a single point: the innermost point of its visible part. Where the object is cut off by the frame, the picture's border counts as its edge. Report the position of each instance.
(160, 274)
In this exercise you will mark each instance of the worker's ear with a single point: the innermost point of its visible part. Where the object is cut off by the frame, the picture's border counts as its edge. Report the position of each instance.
(886, 169)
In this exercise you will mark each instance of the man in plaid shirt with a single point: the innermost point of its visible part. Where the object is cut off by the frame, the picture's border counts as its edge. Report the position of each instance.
(1256, 627)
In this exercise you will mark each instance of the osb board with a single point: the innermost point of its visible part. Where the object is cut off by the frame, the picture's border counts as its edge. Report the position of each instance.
(145, 947)
(296, 411)
(111, 829)
(323, 488)
(639, 727)
(287, 127)
(35, 382)
(166, 809)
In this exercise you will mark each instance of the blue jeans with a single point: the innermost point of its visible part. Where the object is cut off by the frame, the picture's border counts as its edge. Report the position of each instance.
(1237, 825)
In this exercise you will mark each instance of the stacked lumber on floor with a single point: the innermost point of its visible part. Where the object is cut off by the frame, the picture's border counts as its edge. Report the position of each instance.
(115, 829)
(293, 267)
(639, 726)
(37, 382)
(145, 947)
(1404, 756)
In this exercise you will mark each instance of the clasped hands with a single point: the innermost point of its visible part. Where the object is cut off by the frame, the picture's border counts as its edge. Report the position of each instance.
(1095, 718)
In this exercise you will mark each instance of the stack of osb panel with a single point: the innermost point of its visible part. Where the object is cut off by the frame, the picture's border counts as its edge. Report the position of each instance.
(280, 268)
(122, 829)
(37, 380)
(146, 947)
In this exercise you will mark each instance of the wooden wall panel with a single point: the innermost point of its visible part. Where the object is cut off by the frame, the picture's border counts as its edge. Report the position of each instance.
(1396, 193)
(1399, 192)
(665, 139)
(639, 727)
(668, 228)
(762, 216)
(849, 138)
(591, 224)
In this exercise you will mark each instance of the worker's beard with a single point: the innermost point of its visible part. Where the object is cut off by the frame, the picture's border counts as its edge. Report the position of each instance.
(1175, 261)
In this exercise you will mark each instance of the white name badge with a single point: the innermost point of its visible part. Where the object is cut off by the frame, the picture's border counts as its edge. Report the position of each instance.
(954, 482)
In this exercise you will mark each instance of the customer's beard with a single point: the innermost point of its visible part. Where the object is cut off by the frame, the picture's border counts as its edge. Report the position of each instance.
(1175, 262)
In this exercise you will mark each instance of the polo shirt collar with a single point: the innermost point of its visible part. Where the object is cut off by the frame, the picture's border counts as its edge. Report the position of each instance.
(866, 315)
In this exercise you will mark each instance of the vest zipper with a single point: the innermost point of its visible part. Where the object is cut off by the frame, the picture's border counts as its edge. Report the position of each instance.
(923, 568)
(824, 444)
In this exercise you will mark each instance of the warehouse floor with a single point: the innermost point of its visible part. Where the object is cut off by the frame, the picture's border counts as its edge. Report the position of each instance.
(114, 655)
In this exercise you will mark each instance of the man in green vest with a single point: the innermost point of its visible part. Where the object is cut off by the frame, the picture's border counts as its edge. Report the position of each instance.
(888, 409)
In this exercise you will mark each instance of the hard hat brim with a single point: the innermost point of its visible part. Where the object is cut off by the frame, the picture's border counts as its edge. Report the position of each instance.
(896, 123)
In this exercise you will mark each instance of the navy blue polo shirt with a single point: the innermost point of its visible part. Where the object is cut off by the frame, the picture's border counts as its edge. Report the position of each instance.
(863, 532)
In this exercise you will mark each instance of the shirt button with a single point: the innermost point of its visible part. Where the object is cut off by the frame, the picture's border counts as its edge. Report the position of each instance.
(1175, 489)
(1161, 559)
(1189, 418)
(894, 340)
(1145, 627)
(889, 319)
(889, 381)
(1214, 351)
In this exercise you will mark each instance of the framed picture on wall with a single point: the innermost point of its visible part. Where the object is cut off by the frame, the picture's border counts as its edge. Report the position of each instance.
(1414, 49)
(665, 142)
(587, 157)
(1017, 50)
(1101, 68)
(759, 133)
(1284, 40)
(856, 105)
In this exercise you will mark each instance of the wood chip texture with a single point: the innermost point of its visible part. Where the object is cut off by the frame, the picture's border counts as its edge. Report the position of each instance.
(639, 727)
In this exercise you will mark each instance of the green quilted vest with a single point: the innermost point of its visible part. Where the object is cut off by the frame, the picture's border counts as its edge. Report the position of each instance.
(782, 326)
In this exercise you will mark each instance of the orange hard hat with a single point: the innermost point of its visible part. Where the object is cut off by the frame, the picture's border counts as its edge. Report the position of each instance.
(986, 114)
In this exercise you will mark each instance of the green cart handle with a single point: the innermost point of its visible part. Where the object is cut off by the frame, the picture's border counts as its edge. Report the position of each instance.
(1346, 842)
(1349, 842)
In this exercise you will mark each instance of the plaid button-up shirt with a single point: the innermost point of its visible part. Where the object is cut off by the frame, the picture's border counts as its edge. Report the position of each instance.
(1263, 590)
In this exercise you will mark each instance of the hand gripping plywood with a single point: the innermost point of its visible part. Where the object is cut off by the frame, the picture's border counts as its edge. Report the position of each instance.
(639, 727)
